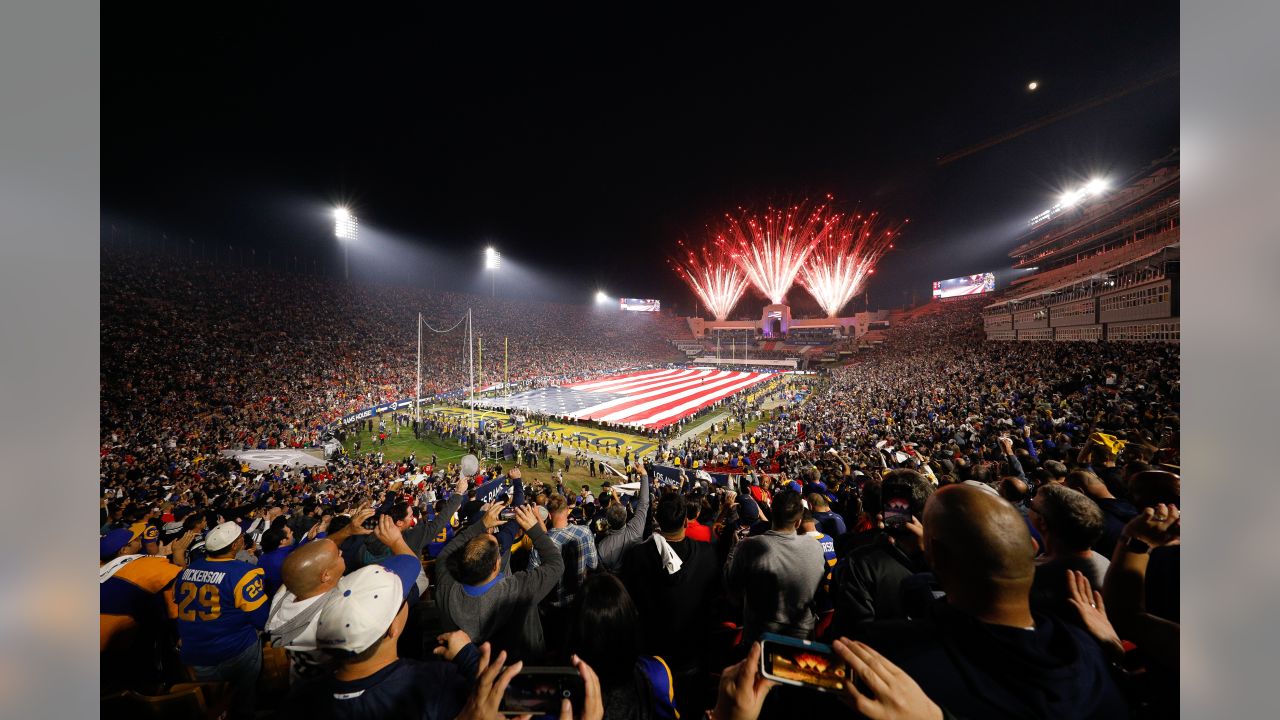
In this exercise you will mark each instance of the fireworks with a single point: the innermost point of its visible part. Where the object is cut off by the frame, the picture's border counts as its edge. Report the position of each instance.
(714, 276)
(772, 248)
(831, 253)
(839, 264)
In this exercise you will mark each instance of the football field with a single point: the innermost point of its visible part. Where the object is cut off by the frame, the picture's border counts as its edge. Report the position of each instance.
(648, 399)
(608, 443)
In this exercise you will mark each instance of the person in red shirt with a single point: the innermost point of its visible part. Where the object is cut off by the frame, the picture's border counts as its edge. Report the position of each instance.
(695, 530)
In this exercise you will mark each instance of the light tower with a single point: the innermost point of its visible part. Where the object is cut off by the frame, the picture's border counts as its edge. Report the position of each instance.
(492, 263)
(347, 229)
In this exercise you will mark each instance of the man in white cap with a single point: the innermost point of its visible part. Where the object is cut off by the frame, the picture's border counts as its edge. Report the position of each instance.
(360, 623)
(311, 573)
(222, 605)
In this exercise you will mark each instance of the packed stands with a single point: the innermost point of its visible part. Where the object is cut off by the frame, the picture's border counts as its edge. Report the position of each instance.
(823, 510)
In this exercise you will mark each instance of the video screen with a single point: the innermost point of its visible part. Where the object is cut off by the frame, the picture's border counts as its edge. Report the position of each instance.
(805, 666)
(640, 305)
(965, 285)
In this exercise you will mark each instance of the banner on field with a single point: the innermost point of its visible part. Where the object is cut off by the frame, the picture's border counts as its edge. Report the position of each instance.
(265, 459)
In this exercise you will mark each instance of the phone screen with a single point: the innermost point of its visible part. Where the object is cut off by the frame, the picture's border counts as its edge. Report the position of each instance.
(897, 510)
(539, 690)
(810, 664)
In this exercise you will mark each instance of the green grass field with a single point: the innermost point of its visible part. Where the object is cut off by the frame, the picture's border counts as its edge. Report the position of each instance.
(733, 432)
(399, 446)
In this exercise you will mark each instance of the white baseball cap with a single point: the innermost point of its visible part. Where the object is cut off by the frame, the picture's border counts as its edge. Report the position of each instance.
(360, 609)
(221, 537)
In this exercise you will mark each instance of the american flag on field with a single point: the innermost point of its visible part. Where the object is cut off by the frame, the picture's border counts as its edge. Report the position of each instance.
(651, 399)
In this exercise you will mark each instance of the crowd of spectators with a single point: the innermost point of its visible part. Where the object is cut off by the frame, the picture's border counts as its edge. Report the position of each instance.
(200, 357)
(977, 530)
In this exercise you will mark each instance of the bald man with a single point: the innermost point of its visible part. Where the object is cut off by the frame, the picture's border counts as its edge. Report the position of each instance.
(980, 652)
(310, 573)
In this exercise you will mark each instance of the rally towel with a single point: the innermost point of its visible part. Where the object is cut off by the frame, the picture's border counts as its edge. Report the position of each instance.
(670, 560)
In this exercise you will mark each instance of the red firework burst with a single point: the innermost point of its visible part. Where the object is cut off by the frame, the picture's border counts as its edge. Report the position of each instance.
(772, 247)
(839, 265)
(714, 276)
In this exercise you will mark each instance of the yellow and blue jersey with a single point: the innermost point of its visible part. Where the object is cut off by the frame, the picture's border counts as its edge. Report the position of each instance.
(661, 685)
(828, 544)
(139, 593)
(443, 537)
(222, 604)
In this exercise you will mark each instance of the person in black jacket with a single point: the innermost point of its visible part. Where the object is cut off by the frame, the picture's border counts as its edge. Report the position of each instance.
(981, 652)
(674, 598)
(867, 585)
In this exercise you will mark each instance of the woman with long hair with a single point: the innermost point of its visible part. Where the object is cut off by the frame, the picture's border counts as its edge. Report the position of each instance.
(606, 635)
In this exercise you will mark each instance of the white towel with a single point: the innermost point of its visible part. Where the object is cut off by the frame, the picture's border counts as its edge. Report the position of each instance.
(670, 560)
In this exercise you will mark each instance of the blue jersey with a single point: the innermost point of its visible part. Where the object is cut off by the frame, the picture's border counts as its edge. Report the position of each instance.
(823, 598)
(222, 604)
(443, 537)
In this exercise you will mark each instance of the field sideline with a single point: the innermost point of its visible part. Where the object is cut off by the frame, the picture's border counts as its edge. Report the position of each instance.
(399, 446)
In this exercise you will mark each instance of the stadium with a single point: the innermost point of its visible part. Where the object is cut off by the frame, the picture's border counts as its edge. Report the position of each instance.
(652, 432)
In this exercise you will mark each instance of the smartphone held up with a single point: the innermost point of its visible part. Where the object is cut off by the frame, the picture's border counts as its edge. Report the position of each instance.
(897, 510)
(539, 690)
(802, 663)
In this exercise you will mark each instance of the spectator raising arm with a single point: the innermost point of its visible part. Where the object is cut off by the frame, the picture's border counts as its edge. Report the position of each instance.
(418, 536)
(488, 520)
(1124, 587)
(535, 583)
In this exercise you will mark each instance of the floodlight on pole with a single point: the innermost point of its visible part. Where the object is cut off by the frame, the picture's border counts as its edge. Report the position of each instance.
(346, 227)
(492, 263)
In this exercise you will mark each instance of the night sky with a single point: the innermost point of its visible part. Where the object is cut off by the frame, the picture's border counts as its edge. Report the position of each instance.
(584, 145)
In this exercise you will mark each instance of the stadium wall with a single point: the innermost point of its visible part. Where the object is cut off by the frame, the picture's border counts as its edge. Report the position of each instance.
(855, 325)
(1143, 312)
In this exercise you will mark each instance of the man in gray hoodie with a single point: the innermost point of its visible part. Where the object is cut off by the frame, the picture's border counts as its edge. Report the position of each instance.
(623, 533)
(775, 575)
(477, 597)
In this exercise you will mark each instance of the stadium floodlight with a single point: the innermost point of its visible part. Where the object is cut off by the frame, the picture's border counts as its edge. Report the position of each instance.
(346, 228)
(345, 224)
(492, 262)
(1093, 188)
(1071, 198)
(602, 297)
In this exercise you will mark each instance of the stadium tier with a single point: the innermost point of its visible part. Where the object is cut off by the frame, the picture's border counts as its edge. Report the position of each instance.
(1105, 269)
(652, 400)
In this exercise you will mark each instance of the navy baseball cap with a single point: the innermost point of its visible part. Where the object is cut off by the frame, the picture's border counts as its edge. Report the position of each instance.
(112, 542)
